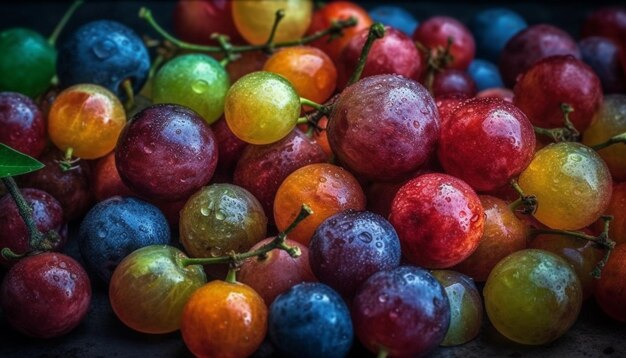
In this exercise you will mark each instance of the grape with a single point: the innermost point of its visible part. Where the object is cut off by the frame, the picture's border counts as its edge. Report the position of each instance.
(195, 21)
(447, 104)
(350, 246)
(610, 290)
(249, 62)
(486, 142)
(23, 126)
(571, 183)
(106, 180)
(224, 319)
(114, 228)
(439, 220)
(261, 108)
(196, 81)
(617, 208)
(504, 234)
(610, 120)
(466, 307)
(221, 218)
(451, 81)
(311, 320)
(87, 118)
(404, 311)
(485, 74)
(603, 56)
(609, 22)
(493, 28)
(150, 287)
(254, 19)
(166, 153)
(384, 127)
(396, 17)
(325, 188)
(532, 297)
(434, 33)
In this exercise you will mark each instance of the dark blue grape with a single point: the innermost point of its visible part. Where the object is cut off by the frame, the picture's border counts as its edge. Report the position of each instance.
(114, 228)
(603, 56)
(395, 17)
(310, 320)
(486, 74)
(105, 53)
(492, 28)
(350, 246)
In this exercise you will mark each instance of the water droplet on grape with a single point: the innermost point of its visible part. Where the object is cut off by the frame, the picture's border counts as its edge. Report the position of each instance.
(366, 237)
(205, 211)
(322, 180)
(62, 265)
(200, 86)
(379, 244)
(56, 278)
(104, 49)
(382, 298)
(220, 216)
(73, 276)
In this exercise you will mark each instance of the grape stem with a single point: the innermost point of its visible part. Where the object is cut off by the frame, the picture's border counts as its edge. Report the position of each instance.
(334, 30)
(620, 138)
(525, 204)
(66, 17)
(277, 243)
(382, 353)
(67, 163)
(377, 31)
(127, 86)
(568, 133)
(37, 240)
(603, 241)
(437, 61)
(269, 44)
(317, 106)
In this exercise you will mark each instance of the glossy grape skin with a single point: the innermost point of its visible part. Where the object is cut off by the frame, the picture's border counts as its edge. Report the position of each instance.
(45, 295)
(501, 93)
(394, 53)
(531, 45)
(105, 53)
(485, 74)
(195, 21)
(261, 107)
(350, 246)
(87, 118)
(603, 56)
(547, 84)
(493, 28)
(439, 220)
(23, 126)
(220, 218)
(262, 168)
(311, 72)
(277, 272)
(571, 183)
(466, 307)
(327, 189)
(311, 320)
(610, 120)
(106, 181)
(150, 287)
(335, 11)
(396, 17)
(451, 81)
(114, 228)
(167, 152)
(503, 235)
(616, 208)
(195, 81)
(447, 104)
(254, 19)
(384, 127)
(224, 319)
(609, 22)
(229, 147)
(404, 310)
(532, 297)
(582, 255)
(27, 65)
(434, 32)
(610, 289)
(72, 188)
(46, 213)
(486, 142)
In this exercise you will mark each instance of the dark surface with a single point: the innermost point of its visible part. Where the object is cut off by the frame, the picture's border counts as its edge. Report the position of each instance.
(102, 335)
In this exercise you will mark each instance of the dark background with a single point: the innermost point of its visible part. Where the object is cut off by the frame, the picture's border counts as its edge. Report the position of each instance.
(102, 335)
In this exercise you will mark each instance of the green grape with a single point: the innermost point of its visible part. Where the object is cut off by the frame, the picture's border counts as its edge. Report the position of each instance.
(572, 185)
(27, 63)
(221, 218)
(532, 297)
(195, 81)
(262, 108)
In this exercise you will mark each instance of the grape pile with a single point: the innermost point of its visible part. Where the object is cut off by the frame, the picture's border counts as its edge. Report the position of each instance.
(278, 178)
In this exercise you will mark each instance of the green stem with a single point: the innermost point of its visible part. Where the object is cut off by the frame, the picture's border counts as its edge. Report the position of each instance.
(231, 276)
(26, 212)
(277, 243)
(68, 163)
(269, 44)
(155, 66)
(66, 17)
(377, 31)
(127, 85)
(567, 133)
(526, 204)
(317, 106)
(382, 353)
(335, 28)
(620, 138)
(302, 120)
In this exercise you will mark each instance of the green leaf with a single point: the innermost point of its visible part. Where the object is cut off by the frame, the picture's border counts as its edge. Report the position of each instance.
(14, 163)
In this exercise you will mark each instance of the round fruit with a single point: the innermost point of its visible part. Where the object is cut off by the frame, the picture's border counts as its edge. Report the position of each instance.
(254, 19)
(610, 290)
(23, 126)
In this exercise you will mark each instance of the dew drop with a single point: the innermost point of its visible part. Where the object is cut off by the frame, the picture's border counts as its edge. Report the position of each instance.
(56, 278)
(366, 237)
(104, 49)
(220, 216)
(205, 211)
(382, 298)
(200, 86)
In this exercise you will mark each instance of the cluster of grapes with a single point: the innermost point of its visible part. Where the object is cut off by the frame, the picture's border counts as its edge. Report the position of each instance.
(346, 178)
